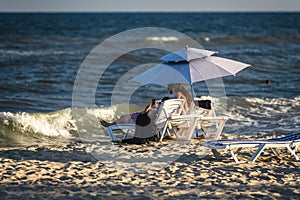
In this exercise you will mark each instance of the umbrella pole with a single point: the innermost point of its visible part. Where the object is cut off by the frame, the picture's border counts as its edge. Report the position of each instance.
(193, 96)
(193, 92)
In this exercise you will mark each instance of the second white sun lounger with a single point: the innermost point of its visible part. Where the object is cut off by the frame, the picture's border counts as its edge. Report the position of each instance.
(290, 142)
(208, 124)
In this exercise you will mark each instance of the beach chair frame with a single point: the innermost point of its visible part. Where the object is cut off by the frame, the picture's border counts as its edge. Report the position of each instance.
(165, 119)
(290, 142)
(208, 119)
(162, 119)
(170, 116)
(125, 128)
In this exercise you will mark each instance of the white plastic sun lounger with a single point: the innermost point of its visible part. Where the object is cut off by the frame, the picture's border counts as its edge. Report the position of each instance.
(217, 121)
(210, 125)
(290, 142)
(195, 121)
(165, 119)
(162, 120)
(174, 117)
(171, 116)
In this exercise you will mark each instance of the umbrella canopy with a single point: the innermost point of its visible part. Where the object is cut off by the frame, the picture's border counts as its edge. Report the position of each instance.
(190, 66)
(187, 54)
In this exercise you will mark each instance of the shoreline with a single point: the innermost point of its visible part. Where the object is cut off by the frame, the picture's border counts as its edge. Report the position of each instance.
(67, 171)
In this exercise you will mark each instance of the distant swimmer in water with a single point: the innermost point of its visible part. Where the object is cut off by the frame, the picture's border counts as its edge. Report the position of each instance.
(268, 81)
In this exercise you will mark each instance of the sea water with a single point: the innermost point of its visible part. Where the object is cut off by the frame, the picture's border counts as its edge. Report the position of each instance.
(41, 54)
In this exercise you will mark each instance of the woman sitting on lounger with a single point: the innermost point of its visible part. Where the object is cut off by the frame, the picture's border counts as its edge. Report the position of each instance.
(181, 92)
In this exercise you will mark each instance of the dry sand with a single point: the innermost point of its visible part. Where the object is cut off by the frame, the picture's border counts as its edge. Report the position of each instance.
(69, 172)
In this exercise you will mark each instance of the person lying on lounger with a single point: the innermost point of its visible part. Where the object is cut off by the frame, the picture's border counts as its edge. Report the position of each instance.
(131, 118)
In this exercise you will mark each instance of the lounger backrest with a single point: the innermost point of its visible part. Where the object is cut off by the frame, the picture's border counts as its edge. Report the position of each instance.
(206, 104)
(293, 137)
(171, 107)
(191, 110)
(204, 107)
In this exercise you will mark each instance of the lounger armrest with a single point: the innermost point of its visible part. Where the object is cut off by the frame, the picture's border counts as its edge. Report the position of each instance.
(217, 118)
(120, 126)
(184, 117)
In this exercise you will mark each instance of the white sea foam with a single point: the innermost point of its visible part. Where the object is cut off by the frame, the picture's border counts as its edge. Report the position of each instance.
(23, 53)
(163, 39)
(49, 124)
(253, 115)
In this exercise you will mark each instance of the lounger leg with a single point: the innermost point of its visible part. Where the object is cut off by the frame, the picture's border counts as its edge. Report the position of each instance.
(275, 152)
(192, 128)
(233, 155)
(163, 132)
(111, 134)
(238, 150)
(126, 133)
(203, 132)
(258, 152)
(220, 128)
(216, 154)
(293, 152)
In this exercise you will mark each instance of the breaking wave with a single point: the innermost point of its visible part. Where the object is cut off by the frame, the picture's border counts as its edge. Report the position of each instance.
(248, 116)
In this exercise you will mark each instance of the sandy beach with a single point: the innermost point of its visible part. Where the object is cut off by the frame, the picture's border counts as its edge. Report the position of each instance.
(67, 171)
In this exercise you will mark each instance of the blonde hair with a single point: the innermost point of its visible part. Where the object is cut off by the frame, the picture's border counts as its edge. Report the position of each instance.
(179, 87)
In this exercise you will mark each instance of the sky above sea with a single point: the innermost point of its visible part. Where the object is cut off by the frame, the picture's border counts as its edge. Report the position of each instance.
(149, 6)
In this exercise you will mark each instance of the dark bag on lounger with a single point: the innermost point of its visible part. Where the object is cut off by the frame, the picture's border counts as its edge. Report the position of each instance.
(143, 130)
(206, 104)
(143, 119)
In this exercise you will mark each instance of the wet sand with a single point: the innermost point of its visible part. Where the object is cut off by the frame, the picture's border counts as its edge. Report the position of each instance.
(69, 172)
